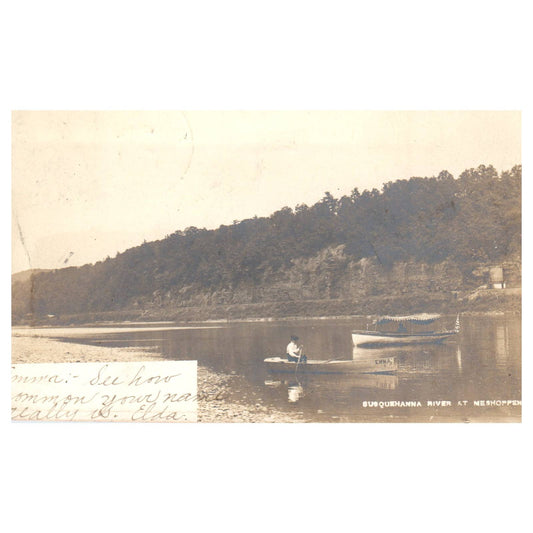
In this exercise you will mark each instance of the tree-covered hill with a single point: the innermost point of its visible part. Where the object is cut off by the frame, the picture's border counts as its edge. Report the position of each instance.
(475, 219)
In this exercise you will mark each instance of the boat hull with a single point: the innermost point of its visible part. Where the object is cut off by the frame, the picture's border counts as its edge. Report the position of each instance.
(376, 338)
(370, 365)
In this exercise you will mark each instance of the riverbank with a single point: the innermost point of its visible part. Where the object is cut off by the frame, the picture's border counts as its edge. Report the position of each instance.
(478, 302)
(215, 400)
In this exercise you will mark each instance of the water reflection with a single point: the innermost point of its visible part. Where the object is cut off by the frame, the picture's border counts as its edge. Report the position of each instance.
(483, 362)
(428, 359)
(298, 387)
(459, 362)
(502, 344)
(295, 391)
(273, 383)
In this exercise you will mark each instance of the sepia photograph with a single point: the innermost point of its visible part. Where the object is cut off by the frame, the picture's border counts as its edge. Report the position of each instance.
(289, 266)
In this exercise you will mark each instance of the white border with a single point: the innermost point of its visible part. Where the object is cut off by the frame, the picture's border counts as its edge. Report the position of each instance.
(281, 55)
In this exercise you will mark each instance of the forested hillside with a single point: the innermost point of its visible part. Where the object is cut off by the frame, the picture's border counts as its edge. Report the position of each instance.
(464, 222)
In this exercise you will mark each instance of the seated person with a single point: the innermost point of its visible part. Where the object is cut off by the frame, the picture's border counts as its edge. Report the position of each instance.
(294, 352)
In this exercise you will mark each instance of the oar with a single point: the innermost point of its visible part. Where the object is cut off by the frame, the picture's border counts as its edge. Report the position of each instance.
(299, 359)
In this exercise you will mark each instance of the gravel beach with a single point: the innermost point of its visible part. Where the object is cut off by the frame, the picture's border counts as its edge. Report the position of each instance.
(214, 389)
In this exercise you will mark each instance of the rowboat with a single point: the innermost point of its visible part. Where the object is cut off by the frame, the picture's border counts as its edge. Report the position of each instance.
(367, 365)
(405, 332)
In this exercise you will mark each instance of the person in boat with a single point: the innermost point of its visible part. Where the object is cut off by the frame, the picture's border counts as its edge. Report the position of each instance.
(294, 351)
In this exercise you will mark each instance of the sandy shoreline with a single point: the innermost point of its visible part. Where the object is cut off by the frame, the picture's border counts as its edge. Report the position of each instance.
(30, 346)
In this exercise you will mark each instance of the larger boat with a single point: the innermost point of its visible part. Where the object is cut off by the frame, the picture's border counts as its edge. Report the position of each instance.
(403, 330)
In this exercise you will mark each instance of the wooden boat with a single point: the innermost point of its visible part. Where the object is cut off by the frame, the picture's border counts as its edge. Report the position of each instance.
(405, 332)
(367, 365)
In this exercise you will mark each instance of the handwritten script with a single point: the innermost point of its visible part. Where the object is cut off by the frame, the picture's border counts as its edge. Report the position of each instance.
(163, 391)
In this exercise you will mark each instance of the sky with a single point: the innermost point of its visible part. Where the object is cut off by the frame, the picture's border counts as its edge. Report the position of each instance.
(89, 184)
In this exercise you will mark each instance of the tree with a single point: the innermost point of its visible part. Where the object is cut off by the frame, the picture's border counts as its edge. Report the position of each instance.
(472, 219)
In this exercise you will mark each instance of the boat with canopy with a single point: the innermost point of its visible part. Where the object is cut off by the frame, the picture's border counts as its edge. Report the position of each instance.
(404, 330)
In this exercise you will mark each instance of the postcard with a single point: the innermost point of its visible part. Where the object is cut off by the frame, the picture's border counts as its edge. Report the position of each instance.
(266, 267)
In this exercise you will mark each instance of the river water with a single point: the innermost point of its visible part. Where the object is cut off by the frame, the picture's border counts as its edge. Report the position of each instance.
(481, 366)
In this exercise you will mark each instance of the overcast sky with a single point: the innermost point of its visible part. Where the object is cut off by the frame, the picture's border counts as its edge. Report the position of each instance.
(89, 184)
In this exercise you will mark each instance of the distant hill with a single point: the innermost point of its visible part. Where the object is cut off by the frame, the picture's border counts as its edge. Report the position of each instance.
(25, 275)
(323, 251)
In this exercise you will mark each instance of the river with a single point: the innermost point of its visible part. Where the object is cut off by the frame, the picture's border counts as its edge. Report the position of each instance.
(468, 378)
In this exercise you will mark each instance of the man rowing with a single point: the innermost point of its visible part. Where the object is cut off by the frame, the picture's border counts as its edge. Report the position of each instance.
(294, 352)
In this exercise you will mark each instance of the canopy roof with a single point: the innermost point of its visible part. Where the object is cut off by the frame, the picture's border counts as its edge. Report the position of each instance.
(423, 318)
